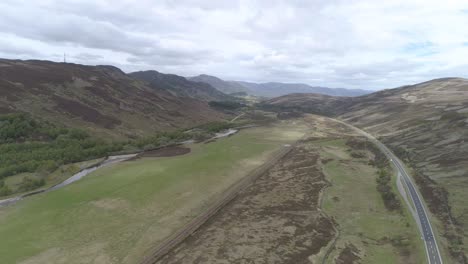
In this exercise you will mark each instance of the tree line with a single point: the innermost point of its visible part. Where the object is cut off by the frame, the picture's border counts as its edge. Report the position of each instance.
(29, 145)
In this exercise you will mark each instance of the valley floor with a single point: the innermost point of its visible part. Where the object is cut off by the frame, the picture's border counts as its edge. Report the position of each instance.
(318, 204)
(118, 213)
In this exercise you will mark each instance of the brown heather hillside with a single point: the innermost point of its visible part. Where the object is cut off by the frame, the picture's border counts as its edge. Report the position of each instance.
(102, 99)
(180, 86)
(310, 103)
(427, 126)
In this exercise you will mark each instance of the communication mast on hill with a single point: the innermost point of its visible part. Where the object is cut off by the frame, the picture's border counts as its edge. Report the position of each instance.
(64, 58)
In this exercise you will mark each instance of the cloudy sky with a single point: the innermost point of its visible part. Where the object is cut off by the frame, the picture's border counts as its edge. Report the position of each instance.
(337, 43)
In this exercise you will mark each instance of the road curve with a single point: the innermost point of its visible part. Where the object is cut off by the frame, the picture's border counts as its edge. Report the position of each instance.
(432, 250)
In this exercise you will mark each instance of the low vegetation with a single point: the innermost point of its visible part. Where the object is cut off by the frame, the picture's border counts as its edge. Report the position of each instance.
(214, 127)
(226, 105)
(384, 186)
(31, 146)
(145, 200)
(40, 147)
(380, 161)
(377, 235)
(4, 189)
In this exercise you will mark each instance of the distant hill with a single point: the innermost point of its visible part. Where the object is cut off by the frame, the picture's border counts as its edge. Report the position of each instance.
(223, 86)
(180, 86)
(427, 126)
(101, 99)
(310, 103)
(272, 89)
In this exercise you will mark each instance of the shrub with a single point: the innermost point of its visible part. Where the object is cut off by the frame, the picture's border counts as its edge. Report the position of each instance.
(28, 184)
(5, 190)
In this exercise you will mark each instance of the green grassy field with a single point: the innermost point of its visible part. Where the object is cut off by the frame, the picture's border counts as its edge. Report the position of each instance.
(379, 235)
(119, 212)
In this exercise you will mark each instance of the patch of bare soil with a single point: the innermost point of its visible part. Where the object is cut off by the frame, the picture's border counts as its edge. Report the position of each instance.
(348, 255)
(170, 151)
(275, 220)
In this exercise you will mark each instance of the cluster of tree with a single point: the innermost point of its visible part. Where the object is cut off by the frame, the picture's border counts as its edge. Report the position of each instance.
(160, 139)
(21, 127)
(28, 145)
(28, 184)
(32, 156)
(384, 187)
(239, 94)
(214, 127)
(4, 189)
(226, 105)
(384, 177)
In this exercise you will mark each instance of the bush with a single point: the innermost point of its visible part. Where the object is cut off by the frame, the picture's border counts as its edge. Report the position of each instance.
(215, 127)
(226, 105)
(385, 189)
(5, 190)
(14, 127)
(28, 184)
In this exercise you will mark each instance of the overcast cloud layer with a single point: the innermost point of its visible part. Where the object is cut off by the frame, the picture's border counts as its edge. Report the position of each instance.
(337, 43)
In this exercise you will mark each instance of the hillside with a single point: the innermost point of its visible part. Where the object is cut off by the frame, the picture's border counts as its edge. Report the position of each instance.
(274, 89)
(427, 125)
(180, 86)
(101, 99)
(309, 103)
(223, 86)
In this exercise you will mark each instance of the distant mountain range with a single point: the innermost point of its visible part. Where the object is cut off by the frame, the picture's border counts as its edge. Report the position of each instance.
(273, 89)
(227, 87)
(109, 102)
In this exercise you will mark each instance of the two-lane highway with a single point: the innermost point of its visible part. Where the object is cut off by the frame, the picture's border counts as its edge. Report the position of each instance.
(432, 250)
(427, 234)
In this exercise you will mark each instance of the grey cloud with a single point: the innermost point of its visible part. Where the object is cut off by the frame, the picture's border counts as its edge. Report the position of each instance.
(87, 57)
(341, 43)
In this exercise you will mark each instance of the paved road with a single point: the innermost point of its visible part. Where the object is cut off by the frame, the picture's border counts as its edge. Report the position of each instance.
(432, 251)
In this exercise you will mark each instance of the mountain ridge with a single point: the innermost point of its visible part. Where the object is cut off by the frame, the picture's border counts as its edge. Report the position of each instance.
(180, 86)
(273, 89)
(102, 99)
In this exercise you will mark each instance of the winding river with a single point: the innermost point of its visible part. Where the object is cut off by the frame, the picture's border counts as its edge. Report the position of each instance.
(110, 160)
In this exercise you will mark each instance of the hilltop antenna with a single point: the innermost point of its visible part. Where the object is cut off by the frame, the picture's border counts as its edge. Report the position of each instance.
(64, 58)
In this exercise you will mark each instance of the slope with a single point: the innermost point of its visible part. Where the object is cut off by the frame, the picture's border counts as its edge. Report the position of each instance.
(426, 125)
(274, 89)
(223, 86)
(309, 103)
(101, 99)
(180, 86)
